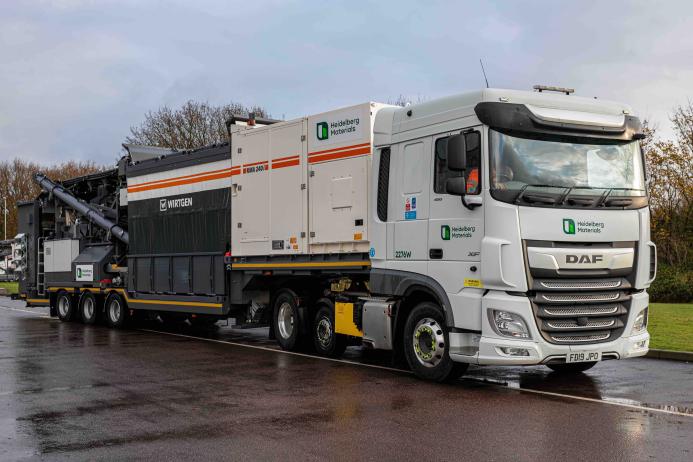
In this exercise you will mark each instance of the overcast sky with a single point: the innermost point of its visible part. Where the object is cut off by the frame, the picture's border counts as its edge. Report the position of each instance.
(76, 74)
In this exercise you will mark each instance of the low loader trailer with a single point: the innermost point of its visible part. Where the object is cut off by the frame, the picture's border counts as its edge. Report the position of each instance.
(492, 227)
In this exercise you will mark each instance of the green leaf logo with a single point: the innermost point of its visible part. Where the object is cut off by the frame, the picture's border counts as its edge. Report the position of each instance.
(322, 131)
(568, 226)
(445, 232)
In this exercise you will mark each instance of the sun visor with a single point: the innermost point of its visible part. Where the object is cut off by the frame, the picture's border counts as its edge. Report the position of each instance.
(539, 120)
(564, 116)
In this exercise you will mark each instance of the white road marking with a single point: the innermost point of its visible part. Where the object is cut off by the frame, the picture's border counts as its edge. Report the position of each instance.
(273, 350)
(528, 390)
(392, 369)
(39, 315)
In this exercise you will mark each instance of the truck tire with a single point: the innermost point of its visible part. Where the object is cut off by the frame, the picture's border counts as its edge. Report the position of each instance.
(426, 345)
(327, 342)
(286, 320)
(88, 308)
(572, 368)
(116, 311)
(65, 306)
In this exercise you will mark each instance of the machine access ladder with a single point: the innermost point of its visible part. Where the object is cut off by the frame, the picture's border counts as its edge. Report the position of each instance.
(40, 271)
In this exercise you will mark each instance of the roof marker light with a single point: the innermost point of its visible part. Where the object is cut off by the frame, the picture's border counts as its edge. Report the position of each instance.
(541, 88)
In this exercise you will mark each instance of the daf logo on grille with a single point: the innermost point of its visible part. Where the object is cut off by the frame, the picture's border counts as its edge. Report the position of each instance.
(584, 258)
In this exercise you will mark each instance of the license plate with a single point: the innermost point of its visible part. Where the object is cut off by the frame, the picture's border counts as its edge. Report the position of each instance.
(583, 356)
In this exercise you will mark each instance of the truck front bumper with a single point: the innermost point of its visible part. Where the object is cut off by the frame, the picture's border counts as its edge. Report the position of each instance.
(491, 348)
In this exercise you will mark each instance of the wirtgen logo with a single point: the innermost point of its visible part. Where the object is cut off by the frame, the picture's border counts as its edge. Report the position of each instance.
(166, 204)
(568, 226)
(322, 131)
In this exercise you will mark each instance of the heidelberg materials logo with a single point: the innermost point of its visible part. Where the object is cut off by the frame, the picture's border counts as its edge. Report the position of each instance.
(568, 226)
(322, 131)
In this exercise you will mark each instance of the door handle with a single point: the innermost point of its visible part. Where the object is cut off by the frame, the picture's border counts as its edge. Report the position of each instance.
(435, 254)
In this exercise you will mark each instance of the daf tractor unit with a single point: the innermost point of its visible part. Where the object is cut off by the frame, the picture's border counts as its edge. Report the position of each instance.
(494, 227)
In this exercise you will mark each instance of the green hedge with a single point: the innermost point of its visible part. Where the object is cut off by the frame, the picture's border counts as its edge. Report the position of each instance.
(672, 285)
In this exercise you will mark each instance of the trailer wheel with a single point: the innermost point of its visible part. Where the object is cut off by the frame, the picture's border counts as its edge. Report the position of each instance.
(426, 345)
(88, 308)
(286, 320)
(327, 342)
(116, 311)
(65, 306)
(571, 368)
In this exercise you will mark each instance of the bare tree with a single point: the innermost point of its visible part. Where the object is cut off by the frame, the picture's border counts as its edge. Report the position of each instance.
(17, 183)
(191, 126)
(670, 169)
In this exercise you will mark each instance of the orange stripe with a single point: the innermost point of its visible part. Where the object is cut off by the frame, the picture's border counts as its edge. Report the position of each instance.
(339, 155)
(278, 159)
(289, 163)
(256, 163)
(166, 180)
(340, 149)
(182, 182)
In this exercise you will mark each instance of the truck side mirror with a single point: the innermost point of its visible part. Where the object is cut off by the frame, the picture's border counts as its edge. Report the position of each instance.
(457, 153)
(456, 186)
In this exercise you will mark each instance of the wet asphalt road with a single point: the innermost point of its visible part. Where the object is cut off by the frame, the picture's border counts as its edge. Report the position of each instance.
(69, 391)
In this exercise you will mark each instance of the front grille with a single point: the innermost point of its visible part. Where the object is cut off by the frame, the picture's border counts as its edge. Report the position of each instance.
(581, 317)
(591, 310)
(592, 337)
(574, 306)
(563, 298)
(560, 325)
(612, 284)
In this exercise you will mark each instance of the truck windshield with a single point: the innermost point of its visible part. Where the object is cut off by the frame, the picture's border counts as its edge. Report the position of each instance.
(560, 173)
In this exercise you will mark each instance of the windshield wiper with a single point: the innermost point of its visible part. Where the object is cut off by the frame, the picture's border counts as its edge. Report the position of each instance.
(567, 193)
(524, 188)
(602, 200)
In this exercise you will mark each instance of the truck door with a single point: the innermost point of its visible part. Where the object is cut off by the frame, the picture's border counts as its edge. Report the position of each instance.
(455, 231)
(411, 203)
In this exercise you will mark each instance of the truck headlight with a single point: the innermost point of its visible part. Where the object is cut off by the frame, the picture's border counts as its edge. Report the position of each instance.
(640, 323)
(508, 324)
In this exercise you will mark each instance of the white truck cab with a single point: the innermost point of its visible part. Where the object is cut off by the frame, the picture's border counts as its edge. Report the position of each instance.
(526, 213)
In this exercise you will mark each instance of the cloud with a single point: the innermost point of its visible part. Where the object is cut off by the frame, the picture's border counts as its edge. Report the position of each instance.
(77, 74)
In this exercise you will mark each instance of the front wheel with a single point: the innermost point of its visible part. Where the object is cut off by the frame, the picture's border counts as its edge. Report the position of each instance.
(571, 368)
(326, 340)
(426, 345)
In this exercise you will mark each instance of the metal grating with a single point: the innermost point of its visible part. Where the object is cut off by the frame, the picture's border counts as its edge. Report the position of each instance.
(598, 324)
(593, 337)
(600, 297)
(611, 284)
(589, 310)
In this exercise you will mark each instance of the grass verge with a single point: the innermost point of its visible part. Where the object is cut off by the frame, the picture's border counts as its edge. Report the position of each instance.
(12, 287)
(671, 326)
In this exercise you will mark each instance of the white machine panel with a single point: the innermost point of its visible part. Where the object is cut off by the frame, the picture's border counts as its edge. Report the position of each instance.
(58, 255)
(302, 186)
(339, 162)
(268, 215)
